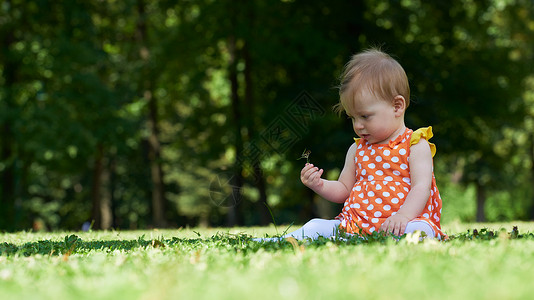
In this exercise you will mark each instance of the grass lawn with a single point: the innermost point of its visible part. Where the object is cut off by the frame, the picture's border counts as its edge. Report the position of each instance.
(223, 264)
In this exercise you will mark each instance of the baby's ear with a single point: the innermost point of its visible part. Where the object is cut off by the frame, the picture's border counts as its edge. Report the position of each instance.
(399, 104)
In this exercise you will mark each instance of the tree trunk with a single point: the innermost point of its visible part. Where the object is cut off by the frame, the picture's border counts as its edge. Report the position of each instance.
(481, 201)
(7, 196)
(308, 208)
(100, 197)
(112, 186)
(154, 155)
(232, 218)
(263, 208)
(265, 216)
(154, 152)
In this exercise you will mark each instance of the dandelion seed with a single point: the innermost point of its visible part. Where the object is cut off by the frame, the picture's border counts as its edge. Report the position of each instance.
(305, 154)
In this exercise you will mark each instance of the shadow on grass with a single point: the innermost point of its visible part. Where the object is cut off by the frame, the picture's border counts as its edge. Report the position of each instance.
(73, 244)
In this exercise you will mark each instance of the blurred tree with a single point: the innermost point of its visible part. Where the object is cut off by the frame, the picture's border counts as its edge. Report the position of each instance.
(152, 113)
(11, 64)
(146, 85)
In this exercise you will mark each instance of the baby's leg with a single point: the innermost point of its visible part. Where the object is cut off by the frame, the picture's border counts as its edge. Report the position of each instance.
(316, 228)
(421, 226)
(313, 229)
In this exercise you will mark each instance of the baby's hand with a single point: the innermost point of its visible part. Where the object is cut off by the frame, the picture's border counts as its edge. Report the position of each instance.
(395, 224)
(311, 176)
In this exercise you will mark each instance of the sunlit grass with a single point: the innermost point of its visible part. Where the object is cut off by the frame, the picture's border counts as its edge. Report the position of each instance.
(222, 263)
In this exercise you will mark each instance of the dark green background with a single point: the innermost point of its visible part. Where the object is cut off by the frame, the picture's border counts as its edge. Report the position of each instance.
(141, 114)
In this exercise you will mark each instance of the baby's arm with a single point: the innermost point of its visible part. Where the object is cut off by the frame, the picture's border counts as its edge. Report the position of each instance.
(421, 182)
(332, 190)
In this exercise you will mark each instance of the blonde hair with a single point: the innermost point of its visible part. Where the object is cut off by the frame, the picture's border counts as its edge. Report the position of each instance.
(378, 72)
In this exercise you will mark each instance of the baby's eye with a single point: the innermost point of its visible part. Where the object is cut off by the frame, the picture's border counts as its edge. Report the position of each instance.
(364, 117)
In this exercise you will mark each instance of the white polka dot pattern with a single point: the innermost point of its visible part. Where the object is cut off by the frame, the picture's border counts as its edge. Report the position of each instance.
(383, 185)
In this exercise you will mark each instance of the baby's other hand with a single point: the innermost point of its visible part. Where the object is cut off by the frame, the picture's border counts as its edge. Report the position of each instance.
(311, 176)
(395, 224)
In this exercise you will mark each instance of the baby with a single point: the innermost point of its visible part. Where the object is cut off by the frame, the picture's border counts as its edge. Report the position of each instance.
(387, 183)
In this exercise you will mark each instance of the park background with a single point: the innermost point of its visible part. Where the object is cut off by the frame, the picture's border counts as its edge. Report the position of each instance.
(143, 114)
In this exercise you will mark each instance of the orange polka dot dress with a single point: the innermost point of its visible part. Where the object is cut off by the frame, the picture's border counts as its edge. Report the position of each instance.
(383, 182)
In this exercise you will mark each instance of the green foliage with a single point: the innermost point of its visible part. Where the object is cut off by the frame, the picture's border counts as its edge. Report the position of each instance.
(239, 242)
(77, 77)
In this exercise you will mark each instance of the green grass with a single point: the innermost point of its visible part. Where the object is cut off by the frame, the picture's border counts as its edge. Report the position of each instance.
(224, 264)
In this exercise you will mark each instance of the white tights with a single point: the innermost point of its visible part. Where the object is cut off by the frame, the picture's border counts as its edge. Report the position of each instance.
(329, 228)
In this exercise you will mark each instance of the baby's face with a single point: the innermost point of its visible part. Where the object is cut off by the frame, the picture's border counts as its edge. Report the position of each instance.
(373, 119)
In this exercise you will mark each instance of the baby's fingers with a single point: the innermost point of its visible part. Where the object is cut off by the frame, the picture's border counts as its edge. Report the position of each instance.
(316, 176)
(388, 227)
(306, 168)
(306, 173)
(310, 172)
(384, 227)
(397, 229)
